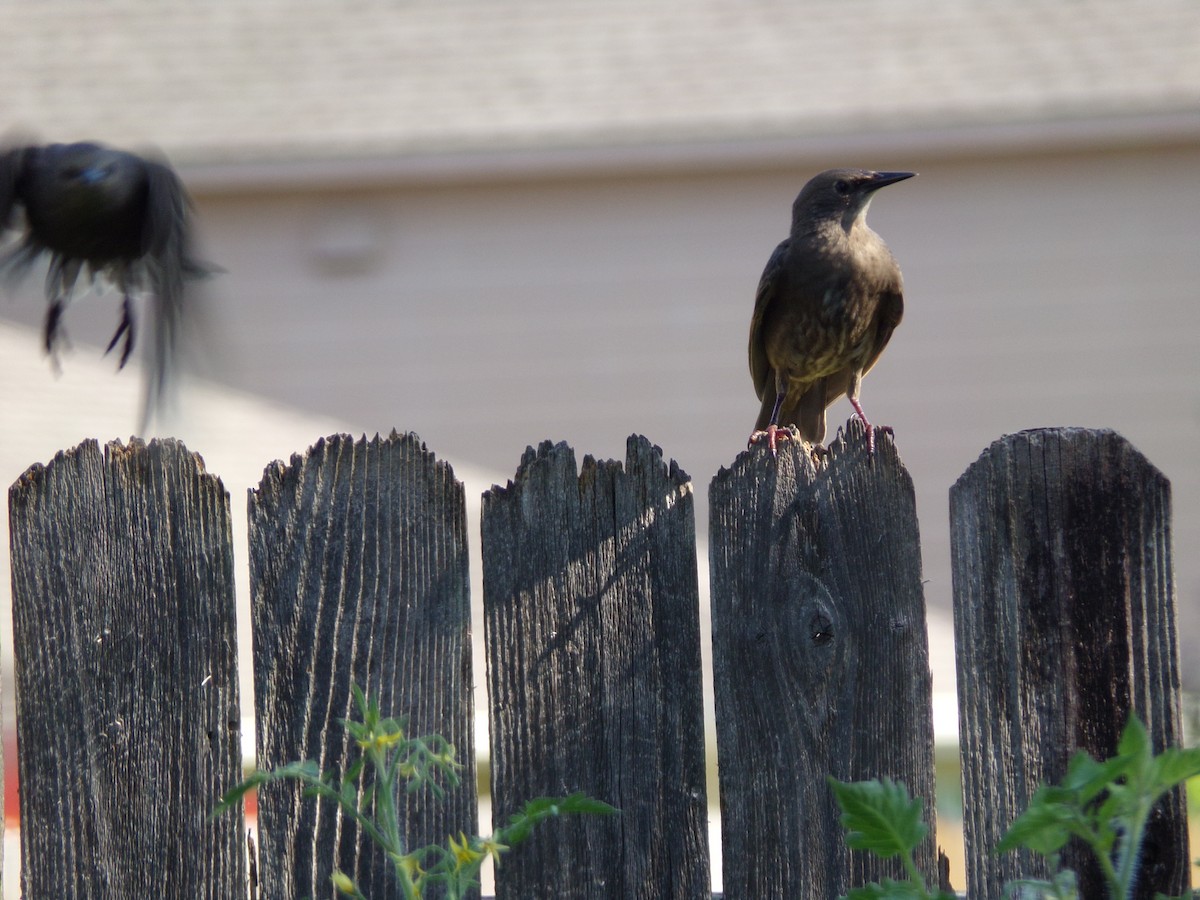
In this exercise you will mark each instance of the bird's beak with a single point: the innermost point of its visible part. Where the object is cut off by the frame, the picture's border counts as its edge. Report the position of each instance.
(882, 179)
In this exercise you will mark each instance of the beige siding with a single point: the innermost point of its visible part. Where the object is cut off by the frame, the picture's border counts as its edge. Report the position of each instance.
(1051, 290)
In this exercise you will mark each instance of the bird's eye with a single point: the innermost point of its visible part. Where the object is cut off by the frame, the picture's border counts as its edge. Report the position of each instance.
(842, 187)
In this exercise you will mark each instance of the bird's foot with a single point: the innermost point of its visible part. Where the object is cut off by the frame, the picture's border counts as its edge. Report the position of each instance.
(125, 329)
(773, 434)
(53, 334)
(871, 429)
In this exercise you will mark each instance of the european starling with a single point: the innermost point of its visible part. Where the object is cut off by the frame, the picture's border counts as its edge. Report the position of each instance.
(102, 212)
(827, 303)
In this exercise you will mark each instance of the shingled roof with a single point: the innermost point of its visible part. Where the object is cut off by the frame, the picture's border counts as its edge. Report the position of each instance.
(272, 80)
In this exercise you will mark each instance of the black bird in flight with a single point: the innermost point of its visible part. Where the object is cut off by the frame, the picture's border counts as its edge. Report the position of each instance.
(98, 211)
(827, 304)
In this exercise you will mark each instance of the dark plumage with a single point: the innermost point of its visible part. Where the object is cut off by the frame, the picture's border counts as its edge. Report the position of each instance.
(827, 304)
(99, 211)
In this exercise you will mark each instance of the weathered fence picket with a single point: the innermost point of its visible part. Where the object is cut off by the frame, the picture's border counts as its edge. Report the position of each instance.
(358, 569)
(128, 717)
(1064, 622)
(591, 611)
(820, 660)
(127, 692)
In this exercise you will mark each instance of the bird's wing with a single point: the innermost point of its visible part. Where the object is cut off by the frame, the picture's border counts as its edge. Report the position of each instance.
(16, 258)
(11, 163)
(760, 368)
(887, 317)
(831, 387)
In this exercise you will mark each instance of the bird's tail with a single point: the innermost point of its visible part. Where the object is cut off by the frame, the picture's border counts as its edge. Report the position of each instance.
(806, 412)
(809, 413)
(172, 269)
(160, 361)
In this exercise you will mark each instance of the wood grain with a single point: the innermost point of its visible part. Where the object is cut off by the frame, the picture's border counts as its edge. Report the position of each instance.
(358, 561)
(820, 660)
(1064, 613)
(594, 679)
(127, 691)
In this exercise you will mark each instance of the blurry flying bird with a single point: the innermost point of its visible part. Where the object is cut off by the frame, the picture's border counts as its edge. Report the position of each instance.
(826, 306)
(104, 213)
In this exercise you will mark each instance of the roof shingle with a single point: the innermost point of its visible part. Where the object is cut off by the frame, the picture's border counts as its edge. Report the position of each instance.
(226, 81)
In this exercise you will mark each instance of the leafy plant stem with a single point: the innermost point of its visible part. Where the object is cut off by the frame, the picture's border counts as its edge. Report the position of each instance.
(366, 793)
(385, 799)
(910, 869)
(1121, 878)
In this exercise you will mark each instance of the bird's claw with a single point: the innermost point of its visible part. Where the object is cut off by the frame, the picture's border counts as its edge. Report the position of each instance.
(871, 429)
(52, 333)
(127, 330)
(774, 434)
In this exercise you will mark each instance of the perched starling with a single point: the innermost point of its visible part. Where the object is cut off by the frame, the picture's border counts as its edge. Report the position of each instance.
(102, 212)
(827, 303)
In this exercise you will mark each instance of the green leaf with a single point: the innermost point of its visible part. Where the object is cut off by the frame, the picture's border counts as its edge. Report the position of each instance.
(367, 709)
(234, 795)
(879, 816)
(304, 770)
(1135, 740)
(1063, 887)
(875, 891)
(393, 725)
(894, 890)
(1088, 778)
(520, 824)
(582, 804)
(1173, 767)
(1043, 828)
(319, 789)
(307, 772)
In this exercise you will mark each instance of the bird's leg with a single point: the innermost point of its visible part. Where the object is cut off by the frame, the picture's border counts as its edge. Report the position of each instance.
(871, 429)
(125, 328)
(773, 433)
(852, 390)
(52, 331)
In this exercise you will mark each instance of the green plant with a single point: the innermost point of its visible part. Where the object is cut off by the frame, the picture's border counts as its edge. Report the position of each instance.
(880, 817)
(389, 753)
(1106, 805)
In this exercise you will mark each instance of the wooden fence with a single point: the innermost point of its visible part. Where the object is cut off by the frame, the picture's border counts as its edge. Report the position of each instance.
(127, 697)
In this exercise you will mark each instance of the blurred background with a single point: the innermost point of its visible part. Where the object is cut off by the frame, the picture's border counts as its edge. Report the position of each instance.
(493, 223)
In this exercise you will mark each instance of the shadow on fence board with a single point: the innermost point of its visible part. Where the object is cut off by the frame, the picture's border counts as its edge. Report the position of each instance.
(591, 613)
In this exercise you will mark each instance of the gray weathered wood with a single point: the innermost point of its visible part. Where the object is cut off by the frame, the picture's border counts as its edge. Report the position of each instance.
(126, 671)
(820, 660)
(1064, 621)
(358, 561)
(592, 625)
